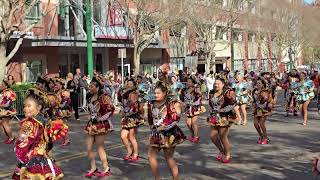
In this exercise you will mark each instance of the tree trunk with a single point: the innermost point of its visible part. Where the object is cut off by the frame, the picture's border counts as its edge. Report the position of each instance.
(3, 61)
(208, 64)
(136, 60)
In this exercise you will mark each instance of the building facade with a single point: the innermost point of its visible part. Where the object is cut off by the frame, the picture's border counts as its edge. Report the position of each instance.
(57, 44)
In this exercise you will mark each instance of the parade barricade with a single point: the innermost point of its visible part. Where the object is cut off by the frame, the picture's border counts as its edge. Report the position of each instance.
(19, 103)
(82, 101)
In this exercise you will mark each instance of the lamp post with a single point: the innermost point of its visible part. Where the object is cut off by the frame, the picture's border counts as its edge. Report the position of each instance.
(89, 38)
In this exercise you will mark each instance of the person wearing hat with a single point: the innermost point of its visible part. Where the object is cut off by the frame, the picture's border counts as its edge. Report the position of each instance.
(243, 97)
(222, 102)
(305, 95)
(163, 114)
(99, 125)
(64, 109)
(7, 111)
(192, 99)
(132, 118)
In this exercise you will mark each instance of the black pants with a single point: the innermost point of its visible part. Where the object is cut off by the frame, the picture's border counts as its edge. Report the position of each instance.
(75, 104)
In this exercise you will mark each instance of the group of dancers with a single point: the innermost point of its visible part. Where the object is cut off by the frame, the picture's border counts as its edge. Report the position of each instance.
(47, 109)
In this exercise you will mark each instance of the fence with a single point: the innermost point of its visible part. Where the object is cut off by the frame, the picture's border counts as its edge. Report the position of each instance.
(18, 104)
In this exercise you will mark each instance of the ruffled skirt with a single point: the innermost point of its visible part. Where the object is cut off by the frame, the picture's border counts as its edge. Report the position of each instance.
(98, 127)
(132, 122)
(221, 121)
(65, 113)
(258, 112)
(39, 168)
(194, 110)
(7, 112)
(166, 138)
(243, 99)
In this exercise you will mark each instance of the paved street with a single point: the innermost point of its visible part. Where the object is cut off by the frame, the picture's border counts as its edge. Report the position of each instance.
(288, 156)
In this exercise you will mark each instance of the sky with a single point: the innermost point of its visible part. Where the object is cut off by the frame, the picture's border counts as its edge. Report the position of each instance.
(308, 1)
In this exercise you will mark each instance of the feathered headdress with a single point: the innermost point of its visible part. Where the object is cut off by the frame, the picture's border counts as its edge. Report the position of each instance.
(99, 80)
(222, 78)
(59, 80)
(39, 95)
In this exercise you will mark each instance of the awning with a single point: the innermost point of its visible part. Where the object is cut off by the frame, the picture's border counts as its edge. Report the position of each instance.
(81, 42)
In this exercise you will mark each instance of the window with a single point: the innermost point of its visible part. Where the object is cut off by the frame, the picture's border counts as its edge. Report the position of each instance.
(33, 15)
(237, 35)
(220, 33)
(251, 37)
(34, 69)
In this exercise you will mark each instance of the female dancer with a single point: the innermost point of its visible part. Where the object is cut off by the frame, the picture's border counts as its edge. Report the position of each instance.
(305, 95)
(263, 104)
(64, 110)
(222, 102)
(293, 85)
(193, 108)
(31, 147)
(6, 110)
(242, 97)
(101, 109)
(132, 119)
(163, 116)
(176, 87)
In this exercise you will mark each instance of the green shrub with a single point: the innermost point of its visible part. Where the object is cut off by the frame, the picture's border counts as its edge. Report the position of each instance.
(22, 87)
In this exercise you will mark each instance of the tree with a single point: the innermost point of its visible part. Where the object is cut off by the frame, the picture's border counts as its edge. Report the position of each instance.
(13, 15)
(210, 21)
(148, 18)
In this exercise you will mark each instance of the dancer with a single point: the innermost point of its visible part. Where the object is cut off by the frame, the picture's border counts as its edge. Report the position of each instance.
(305, 95)
(64, 110)
(274, 81)
(131, 119)
(263, 104)
(242, 97)
(222, 101)
(35, 133)
(176, 87)
(101, 109)
(163, 116)
(6, 110)
(193, 108)
(291, 105)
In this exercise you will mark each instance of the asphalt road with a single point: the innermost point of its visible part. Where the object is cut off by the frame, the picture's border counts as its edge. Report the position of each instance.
(288, 156)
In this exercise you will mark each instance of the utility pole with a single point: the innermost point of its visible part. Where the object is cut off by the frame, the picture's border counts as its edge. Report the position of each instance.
(89, 38)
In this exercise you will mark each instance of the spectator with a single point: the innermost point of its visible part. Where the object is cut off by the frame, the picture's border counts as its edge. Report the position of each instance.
(11, 81)
(73, 88)
(84, 85)
(210, 81)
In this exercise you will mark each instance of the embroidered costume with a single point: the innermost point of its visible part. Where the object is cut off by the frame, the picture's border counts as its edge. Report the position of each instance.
(131, 109)
(65, 108)
(193, 102)
(7, 97)
(176, 89)
(263, 103)
(222, 109)
(163, 120)
(305, 91)
(31, 148)
(101, 109)
(293, 90)
(242, 93)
